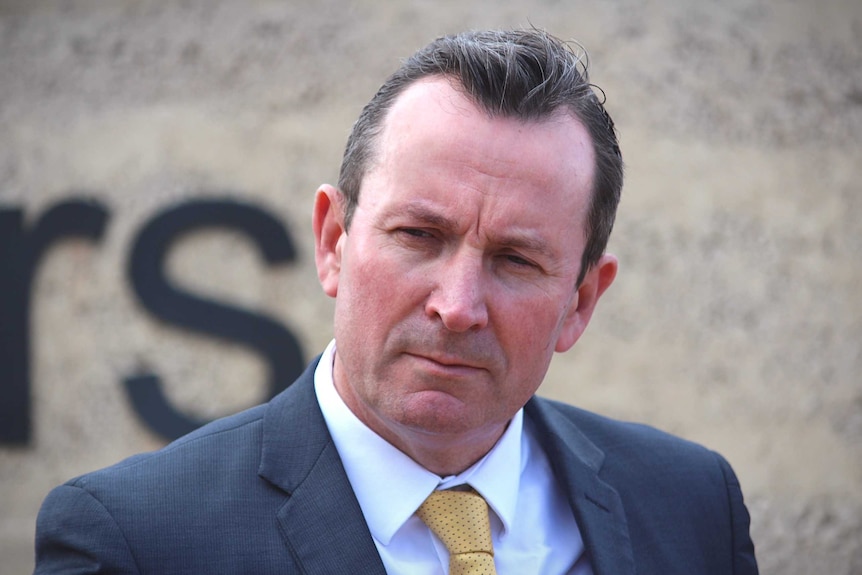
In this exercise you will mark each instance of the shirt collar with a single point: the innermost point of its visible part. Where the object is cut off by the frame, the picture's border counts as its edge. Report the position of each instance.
(391, 489)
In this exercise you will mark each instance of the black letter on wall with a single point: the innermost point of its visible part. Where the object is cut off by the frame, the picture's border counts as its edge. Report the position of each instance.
(179, 307)
(20, 252)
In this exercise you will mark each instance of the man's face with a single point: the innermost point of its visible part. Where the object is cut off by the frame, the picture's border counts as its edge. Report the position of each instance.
(456, 281)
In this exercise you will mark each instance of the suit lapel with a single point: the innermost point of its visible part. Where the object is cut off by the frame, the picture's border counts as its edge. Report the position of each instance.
(321, 522)
(596, 505)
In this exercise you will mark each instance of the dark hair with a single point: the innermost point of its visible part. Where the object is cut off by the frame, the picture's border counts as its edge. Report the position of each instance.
(527, 74)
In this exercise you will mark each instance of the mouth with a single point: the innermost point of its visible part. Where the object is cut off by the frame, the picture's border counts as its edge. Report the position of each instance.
(449, 364)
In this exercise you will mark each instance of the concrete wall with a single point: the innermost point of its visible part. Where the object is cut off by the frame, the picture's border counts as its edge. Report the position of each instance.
(736, 320)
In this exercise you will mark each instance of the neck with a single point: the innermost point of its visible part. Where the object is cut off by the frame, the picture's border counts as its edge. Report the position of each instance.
(443, 455)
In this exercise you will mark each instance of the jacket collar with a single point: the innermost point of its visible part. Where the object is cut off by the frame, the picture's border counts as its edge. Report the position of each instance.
(597, 506)
(322, 514)
(321, 522)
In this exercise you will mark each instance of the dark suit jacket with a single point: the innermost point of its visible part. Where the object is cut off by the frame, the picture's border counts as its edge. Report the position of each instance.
(264, 492)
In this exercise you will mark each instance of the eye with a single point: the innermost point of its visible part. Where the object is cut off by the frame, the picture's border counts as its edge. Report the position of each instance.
(518, 261)
(415, 232)
(416, 238)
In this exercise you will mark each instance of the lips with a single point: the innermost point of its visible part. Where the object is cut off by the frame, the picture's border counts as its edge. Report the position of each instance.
(448, 362)
(447, 351)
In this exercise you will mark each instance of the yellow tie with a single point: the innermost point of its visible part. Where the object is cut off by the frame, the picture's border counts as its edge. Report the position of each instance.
(460, 520)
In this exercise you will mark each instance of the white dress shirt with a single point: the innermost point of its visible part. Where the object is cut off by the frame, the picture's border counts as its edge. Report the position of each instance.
(532, 526)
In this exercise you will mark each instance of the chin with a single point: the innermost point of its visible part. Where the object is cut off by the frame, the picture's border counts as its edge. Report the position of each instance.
(442, 416)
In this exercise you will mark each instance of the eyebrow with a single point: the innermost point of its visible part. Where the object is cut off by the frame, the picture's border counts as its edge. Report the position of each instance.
(525, 241)
(427, 216)
(530, 243)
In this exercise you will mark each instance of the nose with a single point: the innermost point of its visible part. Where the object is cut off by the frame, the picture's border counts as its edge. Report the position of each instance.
(459, 296)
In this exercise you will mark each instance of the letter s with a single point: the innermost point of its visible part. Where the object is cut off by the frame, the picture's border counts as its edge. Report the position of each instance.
(174, 305)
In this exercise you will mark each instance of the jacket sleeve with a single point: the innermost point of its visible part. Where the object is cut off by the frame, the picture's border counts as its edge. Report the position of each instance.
(75, 534)
(744, 561)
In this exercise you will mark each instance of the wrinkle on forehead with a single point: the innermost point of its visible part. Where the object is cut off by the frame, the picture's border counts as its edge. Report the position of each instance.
(499, 172)
(440, 92)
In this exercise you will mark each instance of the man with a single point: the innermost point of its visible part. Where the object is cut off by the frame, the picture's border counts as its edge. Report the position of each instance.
(464, 245)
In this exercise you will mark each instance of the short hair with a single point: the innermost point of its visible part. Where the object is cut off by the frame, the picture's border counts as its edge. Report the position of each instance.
(526, 74)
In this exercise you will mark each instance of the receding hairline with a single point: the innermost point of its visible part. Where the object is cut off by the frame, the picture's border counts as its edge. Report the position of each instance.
(560, 113)
(583, 169)
(525, 73)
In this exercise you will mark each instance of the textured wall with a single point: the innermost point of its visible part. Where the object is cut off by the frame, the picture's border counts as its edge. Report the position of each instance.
(736, 320)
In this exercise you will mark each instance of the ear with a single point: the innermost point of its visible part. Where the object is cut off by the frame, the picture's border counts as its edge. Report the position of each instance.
(328, 224)
(597, 280)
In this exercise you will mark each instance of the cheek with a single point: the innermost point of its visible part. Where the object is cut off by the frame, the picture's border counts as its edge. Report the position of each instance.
(375, 293)
(393, 276)
(529, 329)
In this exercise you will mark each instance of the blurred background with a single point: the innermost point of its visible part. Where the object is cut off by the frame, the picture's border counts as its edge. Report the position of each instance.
(736, 320)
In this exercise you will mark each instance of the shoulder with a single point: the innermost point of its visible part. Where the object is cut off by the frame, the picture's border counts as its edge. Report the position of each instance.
(608, 433)
(207, 452)
(150, 507)
(626, 449)
(102, 518)
(217, 451)
(666, 484)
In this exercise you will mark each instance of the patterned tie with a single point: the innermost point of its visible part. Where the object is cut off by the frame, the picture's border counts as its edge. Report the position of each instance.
(460, 520)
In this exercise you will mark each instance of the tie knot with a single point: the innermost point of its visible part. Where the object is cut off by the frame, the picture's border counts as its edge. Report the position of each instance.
(459, 519)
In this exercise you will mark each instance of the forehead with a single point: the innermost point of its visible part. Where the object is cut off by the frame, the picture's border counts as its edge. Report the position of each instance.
(437, 109)
(436, 138)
